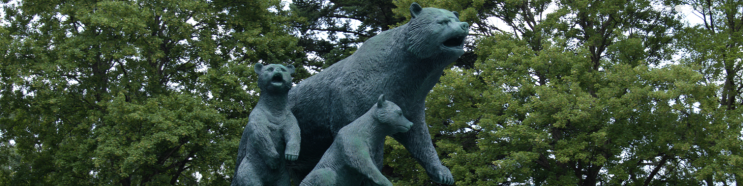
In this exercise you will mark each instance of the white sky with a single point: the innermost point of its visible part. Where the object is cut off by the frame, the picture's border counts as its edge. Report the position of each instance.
(690, 16)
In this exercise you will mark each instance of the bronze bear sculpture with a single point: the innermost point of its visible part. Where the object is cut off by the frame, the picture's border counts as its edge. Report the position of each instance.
(271, 135)
(348, 160)
(403, 63)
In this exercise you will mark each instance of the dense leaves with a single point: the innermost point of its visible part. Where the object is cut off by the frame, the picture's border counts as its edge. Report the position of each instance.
(582, 93)
(715, 49)
(331, 30)
(131, 92)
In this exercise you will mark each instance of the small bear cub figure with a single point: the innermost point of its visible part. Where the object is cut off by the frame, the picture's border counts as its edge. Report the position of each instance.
(271, 135)
(348, 161)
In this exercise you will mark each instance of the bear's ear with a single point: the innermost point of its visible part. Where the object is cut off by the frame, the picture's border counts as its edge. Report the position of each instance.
(415, 9)
(456, 14)
(258, 67)
(380, 101)
(291, 69)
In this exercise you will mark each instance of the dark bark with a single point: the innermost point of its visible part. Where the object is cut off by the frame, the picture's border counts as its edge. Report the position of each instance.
(661, 163)
(126, 181)
(181, 168)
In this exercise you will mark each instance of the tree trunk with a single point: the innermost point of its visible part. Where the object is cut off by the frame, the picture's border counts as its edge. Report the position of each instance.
(126, 181)
(650, 177)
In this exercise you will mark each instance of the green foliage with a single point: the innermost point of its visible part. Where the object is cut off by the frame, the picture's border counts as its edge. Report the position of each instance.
(713, 48)
(131, 92)
(580, 95)
(332, 30)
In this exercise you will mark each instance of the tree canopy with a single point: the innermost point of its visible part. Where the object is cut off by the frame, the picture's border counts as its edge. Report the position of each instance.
(587, 93)
(132, 92)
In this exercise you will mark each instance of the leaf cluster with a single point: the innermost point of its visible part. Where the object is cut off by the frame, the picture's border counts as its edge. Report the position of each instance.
(132, 92)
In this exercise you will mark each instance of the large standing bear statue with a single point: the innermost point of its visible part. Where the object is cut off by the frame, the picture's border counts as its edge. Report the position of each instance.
(403, 63)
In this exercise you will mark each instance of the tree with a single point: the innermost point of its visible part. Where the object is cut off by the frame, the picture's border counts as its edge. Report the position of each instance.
(132, 92)
(715, 49)
(578, 95)
(332, 30)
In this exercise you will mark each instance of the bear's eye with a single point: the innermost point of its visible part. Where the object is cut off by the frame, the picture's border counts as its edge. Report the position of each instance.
(443, 21)
(270, 69)
(283, 69)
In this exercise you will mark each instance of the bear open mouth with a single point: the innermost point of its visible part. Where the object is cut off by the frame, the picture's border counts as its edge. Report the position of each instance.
(277, 79)
(454, 41)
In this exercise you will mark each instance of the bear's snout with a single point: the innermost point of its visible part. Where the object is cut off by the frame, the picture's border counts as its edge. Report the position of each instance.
(464, 26)
(405, 127)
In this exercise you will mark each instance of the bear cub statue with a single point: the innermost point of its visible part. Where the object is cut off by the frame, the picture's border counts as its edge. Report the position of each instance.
(271, 135)
(349, 161)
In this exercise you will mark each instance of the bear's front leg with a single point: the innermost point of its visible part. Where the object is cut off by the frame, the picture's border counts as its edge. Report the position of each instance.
(261, 138)
(293, 137)
(418, 142)
(359, 158)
